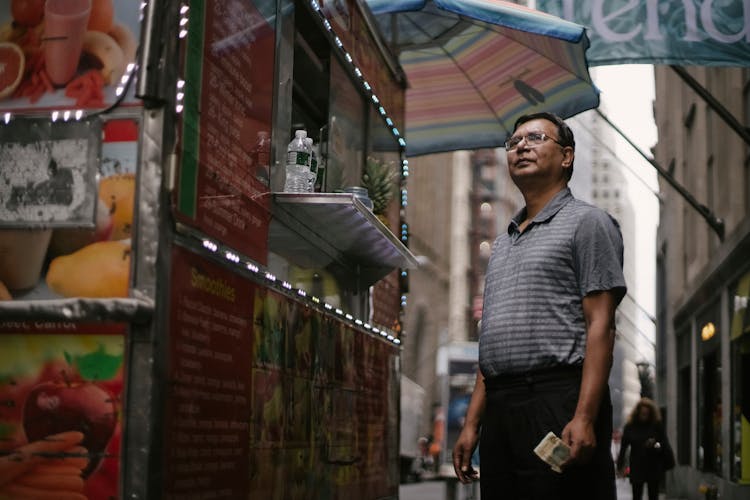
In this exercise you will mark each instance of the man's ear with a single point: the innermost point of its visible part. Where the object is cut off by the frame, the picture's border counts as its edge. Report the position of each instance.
(568, 156)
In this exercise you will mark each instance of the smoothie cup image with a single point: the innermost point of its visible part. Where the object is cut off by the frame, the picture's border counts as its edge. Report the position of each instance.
(65, 23)
(22, 253)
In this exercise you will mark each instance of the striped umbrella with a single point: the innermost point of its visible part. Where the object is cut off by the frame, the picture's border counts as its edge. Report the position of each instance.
(475, 66)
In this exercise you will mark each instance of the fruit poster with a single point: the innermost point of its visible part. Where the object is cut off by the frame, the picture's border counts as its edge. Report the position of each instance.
(323, 405)
(46, 262)
(66, 54)
(269, 397)
(60, 410)
(228, 71)
(208, 400)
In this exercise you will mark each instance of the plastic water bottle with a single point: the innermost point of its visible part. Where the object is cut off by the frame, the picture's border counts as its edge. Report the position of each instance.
(297, 164)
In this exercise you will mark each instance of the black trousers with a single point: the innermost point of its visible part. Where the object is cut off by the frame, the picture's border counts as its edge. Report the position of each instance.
(653, 490)
(519, 412)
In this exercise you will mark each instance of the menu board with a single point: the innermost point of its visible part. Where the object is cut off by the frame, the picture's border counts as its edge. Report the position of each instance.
(210, 338)
(226, 123)
(66, 54)
(60, 409)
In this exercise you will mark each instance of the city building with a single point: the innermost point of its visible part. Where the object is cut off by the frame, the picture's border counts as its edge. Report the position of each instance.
(703, 281)
(438, 217)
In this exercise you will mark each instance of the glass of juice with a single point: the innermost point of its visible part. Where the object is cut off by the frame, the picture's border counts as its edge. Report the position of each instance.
(65, 23)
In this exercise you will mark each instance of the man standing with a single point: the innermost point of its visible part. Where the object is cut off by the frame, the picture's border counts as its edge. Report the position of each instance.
(553, 283)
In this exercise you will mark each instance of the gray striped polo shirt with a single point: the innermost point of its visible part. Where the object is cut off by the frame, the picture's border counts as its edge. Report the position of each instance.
(535, 284)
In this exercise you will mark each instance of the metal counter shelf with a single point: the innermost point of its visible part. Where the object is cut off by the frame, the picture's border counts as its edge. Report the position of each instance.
(335, 231)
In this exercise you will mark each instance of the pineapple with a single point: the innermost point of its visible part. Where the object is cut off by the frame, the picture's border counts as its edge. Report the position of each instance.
(379, 178)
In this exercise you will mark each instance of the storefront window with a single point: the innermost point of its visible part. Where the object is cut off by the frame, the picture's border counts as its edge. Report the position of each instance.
(740, 347)
(709, 390)
(684, 396)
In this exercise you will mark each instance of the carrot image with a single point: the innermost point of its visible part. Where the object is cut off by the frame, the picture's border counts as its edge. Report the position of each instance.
(24, 458)
(58, 470)
(76, 456)
(54, 482)
(87, 89)
(18, 492)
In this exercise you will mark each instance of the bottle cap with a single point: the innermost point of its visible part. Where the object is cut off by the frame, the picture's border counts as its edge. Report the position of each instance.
(301, 133)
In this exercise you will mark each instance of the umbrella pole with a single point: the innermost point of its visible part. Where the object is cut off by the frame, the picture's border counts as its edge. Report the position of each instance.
(716, 223)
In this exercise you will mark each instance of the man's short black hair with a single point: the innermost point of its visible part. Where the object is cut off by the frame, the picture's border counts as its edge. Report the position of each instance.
(564, 133)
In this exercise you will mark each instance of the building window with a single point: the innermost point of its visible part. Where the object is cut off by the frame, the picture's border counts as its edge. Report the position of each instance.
(689, 117)
(709, 390)
(740, 351)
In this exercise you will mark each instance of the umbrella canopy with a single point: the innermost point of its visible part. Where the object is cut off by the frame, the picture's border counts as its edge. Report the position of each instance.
(475, 66)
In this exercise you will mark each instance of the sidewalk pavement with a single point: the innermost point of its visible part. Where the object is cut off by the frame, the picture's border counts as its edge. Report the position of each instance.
(437, 490)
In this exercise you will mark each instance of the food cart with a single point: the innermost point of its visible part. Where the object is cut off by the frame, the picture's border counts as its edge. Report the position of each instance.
(172, 324)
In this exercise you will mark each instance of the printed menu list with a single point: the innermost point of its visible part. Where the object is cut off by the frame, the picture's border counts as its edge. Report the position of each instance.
(208, 403)
(228, 102)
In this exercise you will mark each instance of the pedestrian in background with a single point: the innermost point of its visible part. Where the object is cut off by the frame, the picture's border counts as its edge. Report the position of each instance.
(650, 452)
(553, 283)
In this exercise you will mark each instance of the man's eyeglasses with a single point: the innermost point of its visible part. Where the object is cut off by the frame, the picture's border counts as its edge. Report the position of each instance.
(532, 139)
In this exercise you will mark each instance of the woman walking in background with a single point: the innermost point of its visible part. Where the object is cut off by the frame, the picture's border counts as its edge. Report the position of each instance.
(650, 452)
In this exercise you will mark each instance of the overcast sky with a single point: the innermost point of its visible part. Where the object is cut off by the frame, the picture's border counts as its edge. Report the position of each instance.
(627, 94)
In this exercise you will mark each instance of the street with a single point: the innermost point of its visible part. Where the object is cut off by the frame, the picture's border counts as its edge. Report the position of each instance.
(436, 490)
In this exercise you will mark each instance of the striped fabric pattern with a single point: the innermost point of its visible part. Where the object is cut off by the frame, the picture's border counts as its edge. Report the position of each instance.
(533, 315)
(475, 66)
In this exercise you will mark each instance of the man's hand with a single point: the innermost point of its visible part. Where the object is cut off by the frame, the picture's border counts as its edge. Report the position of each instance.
(462, 452)
(469, 437)
(579, 435)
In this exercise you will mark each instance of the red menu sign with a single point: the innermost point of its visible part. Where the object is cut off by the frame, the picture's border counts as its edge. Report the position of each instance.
(226, 104)
(210, 342)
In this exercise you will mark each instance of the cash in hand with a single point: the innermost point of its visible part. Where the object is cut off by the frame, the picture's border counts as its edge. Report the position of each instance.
(553, 450)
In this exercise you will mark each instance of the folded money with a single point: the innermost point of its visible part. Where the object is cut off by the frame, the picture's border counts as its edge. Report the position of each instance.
(553, 450)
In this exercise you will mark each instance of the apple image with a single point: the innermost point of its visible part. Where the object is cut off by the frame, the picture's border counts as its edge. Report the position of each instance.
(57, 406)
(102, 483)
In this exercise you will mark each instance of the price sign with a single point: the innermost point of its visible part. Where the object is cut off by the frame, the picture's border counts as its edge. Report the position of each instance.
(48, 173)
